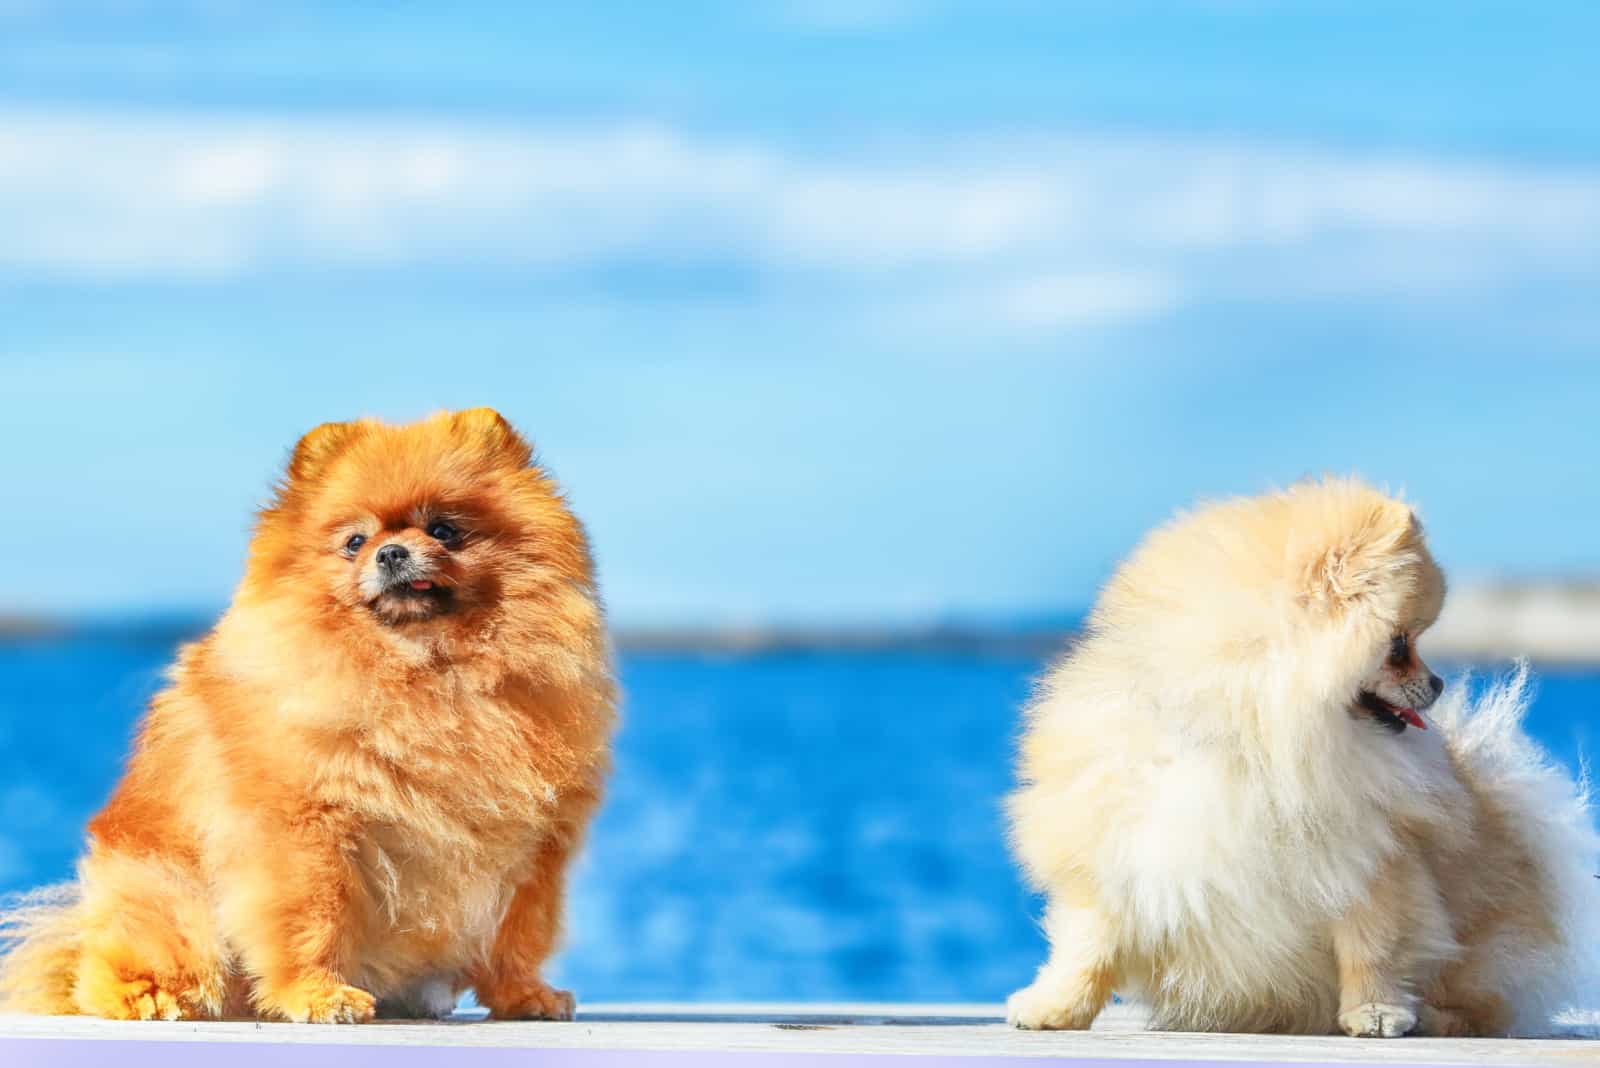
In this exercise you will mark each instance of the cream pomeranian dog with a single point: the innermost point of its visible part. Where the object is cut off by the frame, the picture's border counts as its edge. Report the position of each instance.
(1232, 800)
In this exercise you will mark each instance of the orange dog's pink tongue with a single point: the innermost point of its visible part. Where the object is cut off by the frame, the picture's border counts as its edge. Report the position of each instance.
(1410, 716)
(424, 584)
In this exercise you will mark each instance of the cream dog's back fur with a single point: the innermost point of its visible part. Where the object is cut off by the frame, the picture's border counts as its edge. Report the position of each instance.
(1219, 837)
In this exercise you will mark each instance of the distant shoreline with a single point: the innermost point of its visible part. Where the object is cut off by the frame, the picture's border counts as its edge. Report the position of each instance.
(750, 641)
(656, 640)
(1551, 623)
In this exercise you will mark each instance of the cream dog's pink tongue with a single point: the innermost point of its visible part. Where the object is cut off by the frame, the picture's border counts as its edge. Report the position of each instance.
(1410, 716)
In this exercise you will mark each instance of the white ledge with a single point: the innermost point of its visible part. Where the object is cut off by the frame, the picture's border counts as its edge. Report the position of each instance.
(659, 1034)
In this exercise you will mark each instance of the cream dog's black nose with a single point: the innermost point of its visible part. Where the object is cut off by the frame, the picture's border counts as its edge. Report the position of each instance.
(392, 556)
(1435, 683)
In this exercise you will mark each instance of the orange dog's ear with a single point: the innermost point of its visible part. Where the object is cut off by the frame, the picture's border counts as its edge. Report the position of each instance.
(312, 452)
(490, 429)
(1362, 561)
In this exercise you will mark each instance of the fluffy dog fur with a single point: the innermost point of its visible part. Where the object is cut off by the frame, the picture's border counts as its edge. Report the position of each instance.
(361, 789)
(1234, 823)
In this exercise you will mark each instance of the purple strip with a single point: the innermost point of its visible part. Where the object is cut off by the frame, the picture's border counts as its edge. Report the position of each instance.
(94, 1053)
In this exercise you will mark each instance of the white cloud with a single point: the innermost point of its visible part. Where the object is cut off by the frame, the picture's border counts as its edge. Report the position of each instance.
(1042, 233)
(1050, 302)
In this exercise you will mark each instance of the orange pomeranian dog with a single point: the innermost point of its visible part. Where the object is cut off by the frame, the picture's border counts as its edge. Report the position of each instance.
(361, 790)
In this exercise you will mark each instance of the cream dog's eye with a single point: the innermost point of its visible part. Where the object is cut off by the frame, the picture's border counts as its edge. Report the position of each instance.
(1399, 649)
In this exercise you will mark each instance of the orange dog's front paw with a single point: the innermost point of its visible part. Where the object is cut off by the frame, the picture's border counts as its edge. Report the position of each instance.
(530, 1001)
(324, 1003)
(104, 991)
(139, 999)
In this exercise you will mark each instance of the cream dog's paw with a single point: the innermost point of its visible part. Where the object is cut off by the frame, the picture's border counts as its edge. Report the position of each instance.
(1377, 1020)
(1042, 1008)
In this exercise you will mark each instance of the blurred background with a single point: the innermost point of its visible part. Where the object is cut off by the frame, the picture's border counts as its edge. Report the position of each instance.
(865, 336)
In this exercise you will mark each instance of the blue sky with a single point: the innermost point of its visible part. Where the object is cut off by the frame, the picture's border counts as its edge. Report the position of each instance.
(888, 310)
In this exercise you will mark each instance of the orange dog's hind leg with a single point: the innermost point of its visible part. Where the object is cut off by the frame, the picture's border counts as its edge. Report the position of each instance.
(148, 945)
(509, 985)
(1078, 979)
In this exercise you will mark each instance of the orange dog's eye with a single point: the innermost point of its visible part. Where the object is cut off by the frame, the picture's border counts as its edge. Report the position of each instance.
(443, 531)
(354, 543)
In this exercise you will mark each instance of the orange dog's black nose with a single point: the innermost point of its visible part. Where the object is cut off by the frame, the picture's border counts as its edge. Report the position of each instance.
(392, 556)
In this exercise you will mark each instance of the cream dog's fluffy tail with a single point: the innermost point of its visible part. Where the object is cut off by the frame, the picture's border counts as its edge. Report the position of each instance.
(1553, 815)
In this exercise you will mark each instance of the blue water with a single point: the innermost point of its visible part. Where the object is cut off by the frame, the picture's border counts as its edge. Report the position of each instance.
(798, 826)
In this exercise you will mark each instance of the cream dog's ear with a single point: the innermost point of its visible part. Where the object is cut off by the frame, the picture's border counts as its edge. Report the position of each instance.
(1363, 560)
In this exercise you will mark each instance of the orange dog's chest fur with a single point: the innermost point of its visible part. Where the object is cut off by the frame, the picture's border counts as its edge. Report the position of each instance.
(445, 831)
(446, 788)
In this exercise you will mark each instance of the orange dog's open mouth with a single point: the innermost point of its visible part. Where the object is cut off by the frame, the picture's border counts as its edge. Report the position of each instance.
(402, 587)
(1393, 716)
(409, 600)
(417, 589)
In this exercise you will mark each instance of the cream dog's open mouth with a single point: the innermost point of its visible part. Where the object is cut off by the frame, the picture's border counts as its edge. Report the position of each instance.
(1395, 717)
